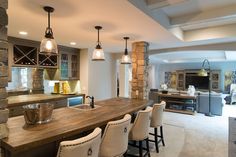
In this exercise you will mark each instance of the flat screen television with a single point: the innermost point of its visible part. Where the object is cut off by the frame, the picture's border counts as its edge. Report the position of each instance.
(199, 82)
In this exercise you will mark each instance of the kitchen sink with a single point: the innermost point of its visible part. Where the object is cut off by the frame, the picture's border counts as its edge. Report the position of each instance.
(85, 107)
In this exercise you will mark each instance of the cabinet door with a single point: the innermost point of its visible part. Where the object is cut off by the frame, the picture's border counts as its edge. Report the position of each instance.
(64, 66)
(74, 66)
(215, 80)
(180, 80)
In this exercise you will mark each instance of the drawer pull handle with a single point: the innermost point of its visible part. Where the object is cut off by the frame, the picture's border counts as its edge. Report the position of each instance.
(234, 142)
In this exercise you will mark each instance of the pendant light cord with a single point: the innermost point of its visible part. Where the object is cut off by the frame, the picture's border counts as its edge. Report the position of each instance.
(98, 37)
(126, 50)
(49, 20)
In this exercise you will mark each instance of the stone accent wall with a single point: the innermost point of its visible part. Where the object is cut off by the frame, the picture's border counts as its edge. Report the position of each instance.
(140, 63)
(37, 84)
(4, 112)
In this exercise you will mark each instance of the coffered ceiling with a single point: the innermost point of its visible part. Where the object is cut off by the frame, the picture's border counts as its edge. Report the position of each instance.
(201, 22)
(164, 24)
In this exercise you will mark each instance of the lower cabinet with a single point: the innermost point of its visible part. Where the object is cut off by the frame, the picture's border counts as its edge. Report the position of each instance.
(60, 103)
(18, 110)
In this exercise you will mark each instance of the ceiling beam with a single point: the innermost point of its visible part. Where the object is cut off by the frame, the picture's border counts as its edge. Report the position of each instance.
(231, 46)
(205, 18)
(157, 4)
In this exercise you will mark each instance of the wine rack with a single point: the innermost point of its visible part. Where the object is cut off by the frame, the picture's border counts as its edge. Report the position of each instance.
(24, 55)
(48, 61)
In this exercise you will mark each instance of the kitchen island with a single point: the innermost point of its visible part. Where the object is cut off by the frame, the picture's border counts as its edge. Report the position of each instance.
(15, 103)
(67, 123)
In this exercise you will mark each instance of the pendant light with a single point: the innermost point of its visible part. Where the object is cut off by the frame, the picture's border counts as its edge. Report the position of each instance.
(98, 54)
(126, 58)
(48, 45)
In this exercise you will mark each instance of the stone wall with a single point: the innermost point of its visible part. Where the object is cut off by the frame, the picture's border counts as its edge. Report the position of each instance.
(37, 84)
(4, 113)
(140, 63)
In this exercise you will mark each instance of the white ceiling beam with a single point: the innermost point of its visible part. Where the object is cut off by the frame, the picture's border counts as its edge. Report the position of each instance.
(157, 4)
(231, 46)
(158, 15)
(216, 15)
(219, 32)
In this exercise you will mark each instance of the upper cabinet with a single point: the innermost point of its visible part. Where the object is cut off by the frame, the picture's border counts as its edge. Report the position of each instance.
(46, 61)
(65, 66)
(24, 55)
(69, 65)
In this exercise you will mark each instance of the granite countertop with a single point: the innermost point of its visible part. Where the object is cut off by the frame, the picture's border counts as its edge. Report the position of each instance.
(37, 98)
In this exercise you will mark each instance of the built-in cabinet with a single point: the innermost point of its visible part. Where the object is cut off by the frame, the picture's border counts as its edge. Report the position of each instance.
(25, 53)
(68, 67)
(181, 79)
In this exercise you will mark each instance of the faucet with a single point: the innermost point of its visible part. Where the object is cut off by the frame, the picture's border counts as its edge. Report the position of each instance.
(92, 101)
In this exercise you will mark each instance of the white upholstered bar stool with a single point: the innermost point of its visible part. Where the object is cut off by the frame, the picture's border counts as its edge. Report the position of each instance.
(156, 122)
(140, 129)
(87, 146)
(115, 138)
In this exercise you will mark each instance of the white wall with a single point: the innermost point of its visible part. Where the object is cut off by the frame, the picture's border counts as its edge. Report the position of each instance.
(123, 80)
(101, 77)
(84, 69)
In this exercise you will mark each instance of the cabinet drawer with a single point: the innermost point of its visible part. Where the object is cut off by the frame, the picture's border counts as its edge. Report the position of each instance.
(60, 103)
(15, 111)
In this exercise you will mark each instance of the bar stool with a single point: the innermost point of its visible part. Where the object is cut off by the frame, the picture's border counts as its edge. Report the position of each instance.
(115, 138)
(139, 130)
(156, 121)
(84, 146)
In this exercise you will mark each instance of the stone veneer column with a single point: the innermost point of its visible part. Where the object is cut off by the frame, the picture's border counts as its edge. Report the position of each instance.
(4, 112)
(37, 83)
(139, 70)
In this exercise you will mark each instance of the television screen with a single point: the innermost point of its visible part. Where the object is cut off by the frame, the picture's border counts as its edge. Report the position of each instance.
(199, 82)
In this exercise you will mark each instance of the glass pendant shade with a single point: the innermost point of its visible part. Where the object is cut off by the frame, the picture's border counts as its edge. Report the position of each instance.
(48, 45)
(98, 53)
(202, 72)
(126, 58)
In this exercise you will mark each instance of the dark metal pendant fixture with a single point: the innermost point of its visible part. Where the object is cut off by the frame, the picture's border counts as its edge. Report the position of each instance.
(126, 58)
(98, 53)
(48, 45)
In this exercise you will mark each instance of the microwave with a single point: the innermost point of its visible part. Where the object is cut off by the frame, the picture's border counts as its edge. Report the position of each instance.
(75, 101)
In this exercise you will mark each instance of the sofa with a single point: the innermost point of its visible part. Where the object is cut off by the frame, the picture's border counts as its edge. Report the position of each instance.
(217, 103)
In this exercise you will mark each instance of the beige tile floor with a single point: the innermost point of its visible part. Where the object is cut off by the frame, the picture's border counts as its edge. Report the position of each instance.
(195, 136)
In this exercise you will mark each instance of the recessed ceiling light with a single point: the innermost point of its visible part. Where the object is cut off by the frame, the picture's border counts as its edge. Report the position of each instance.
(23, 33)
(72, 43)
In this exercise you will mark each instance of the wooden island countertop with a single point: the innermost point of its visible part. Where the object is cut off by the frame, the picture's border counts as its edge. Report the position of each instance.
(66, 122)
